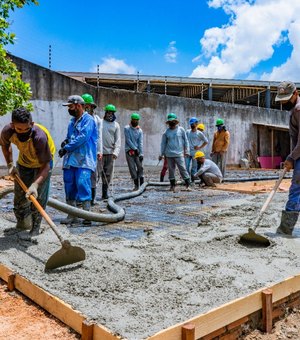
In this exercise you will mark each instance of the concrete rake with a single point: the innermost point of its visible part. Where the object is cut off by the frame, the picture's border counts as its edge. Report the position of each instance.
(68, 254)
(251, 238)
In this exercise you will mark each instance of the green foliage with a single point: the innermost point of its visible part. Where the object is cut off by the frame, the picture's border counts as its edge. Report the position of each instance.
(13, 91)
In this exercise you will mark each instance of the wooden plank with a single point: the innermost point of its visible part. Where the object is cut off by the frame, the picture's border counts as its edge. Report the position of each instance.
(102, 333)
(87, 330)
(50, 303)
(5, 272)
(188, 332)
(267, 309)
(228, 313)
(11, 282)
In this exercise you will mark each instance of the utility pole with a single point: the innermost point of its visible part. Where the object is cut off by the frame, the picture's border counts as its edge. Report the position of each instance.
(50, 55)
(98, 76)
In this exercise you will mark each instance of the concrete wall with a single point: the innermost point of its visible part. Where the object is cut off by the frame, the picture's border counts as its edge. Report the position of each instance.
(51, 89)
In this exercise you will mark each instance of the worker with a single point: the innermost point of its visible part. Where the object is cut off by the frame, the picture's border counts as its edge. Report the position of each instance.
(90, 107)
(79, 157)
(197, 141)
(34, 165)
(201, 127)
(287, 95)
(220, 145)
(134, 150)
(208, 172)
(175, 146)
(111, 134)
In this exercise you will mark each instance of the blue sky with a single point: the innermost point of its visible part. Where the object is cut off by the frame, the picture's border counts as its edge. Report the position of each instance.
(243, 39)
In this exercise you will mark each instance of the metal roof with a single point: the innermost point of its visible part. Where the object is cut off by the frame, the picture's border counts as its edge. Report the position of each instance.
(245, 92)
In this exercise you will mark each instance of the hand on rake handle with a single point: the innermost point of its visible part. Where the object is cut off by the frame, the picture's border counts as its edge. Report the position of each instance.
(12, 170)
(32, 190)
(288, 165)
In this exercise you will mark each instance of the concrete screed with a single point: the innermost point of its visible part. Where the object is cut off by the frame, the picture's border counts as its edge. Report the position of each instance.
(138, 283)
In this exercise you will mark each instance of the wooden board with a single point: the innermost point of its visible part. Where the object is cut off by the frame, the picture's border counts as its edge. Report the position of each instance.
(254, 187)
(222, 316)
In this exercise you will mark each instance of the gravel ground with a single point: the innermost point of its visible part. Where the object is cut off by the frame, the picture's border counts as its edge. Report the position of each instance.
(137, 283)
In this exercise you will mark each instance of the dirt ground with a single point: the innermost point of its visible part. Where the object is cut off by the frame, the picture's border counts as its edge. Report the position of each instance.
(137, 283)
(20, 318)
(287, 328)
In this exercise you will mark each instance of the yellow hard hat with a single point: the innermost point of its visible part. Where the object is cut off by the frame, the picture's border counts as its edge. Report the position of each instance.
(201, 127)
(199, 154)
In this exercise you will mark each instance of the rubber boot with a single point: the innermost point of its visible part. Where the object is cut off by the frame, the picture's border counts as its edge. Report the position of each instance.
(104, 191)
(136, 184)
(25, 223)
(288, 221)
(161, 178)
(70, 219)
(93, 196)
(173, 185)
(141, 181)
(36, 225)
(187, 184)
(86, 205)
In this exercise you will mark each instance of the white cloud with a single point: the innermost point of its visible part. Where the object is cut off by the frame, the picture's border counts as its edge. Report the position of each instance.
(171, 55)
(254, 29)
(113, 65)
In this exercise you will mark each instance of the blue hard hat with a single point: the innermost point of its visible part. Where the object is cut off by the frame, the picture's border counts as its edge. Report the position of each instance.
(193, 120)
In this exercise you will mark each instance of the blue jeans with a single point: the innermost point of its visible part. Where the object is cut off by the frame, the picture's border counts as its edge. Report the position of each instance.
(78, 184)
(293, 203)
(188, 161)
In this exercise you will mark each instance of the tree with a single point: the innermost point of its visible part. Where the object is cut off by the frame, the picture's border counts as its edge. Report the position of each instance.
(13, 91)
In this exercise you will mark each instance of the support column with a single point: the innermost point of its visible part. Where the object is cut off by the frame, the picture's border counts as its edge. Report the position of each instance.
(210, 92)
(268, 98)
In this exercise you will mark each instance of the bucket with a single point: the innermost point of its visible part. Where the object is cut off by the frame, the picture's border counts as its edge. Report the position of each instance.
(266, 162)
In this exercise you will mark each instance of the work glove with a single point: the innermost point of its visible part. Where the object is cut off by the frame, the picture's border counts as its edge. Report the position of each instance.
(141, 158)
(62, 152)
(288, 165)
(131, 152)
(115, 156)
(160, 158)
(32, 190)
(64, 143)
(12, 170)
(136, 152)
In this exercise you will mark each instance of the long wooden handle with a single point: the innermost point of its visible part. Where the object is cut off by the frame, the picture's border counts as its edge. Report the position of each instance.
(39, 208)
(269, 199)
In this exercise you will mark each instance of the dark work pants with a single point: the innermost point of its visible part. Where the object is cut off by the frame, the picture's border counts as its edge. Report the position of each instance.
(23, 207)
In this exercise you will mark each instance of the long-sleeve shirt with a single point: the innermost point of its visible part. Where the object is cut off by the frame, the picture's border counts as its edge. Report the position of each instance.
(99, 123)
(221, 141)
(295, 131)
(81, 149)
(196, 138)
(209, 166)
(111, 134)
(133, 139)
(174, 143)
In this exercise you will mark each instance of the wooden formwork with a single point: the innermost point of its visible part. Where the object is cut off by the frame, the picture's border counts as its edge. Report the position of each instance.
(259, 309)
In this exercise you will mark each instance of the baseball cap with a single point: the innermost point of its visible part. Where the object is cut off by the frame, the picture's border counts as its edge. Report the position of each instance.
(75, 99)
(285, 91)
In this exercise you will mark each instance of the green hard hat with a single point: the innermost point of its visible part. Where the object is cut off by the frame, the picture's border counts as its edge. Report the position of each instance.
(171, 116)
(110, 107)
(88, 99)
(135, 115)
(219, 122)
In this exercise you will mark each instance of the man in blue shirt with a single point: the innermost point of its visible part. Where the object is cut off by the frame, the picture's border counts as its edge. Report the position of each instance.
(79, 151)
(134, 150)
